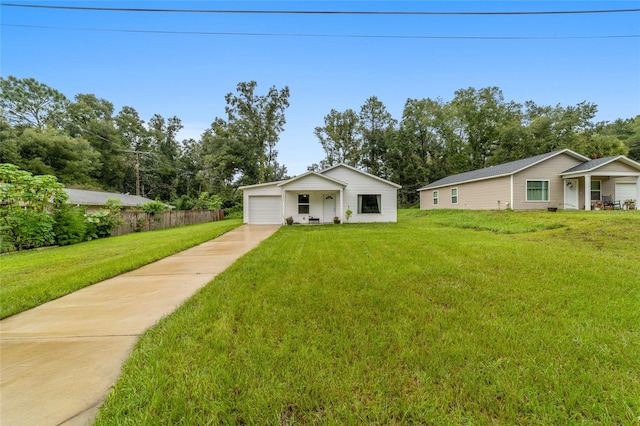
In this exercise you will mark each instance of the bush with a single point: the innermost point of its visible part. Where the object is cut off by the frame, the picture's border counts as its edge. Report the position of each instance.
(100, 224)
(70, 225)
(27, 206)
(153, 207)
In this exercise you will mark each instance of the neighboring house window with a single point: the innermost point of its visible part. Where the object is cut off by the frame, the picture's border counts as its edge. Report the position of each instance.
(369, 203)
(454, 195)
(537, 190)
(435, 198)
(303, 203)
(596, 190)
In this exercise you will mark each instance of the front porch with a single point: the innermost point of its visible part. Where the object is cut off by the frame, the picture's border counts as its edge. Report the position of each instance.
(313, 207)
(602, 185)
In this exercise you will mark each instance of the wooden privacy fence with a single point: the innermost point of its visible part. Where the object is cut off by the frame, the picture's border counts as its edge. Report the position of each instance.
(140, 221)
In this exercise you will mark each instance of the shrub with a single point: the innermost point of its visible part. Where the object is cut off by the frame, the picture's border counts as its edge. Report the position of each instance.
(27, 206)
(153, 207)
(70, 225)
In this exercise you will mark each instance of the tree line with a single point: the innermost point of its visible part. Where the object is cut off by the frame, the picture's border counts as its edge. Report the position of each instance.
(86, 144)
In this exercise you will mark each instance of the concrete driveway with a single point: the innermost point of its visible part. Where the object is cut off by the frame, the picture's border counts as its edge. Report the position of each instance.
(59, 360)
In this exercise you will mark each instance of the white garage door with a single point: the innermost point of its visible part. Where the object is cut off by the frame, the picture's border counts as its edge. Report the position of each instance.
(626, 191)
(265, 210)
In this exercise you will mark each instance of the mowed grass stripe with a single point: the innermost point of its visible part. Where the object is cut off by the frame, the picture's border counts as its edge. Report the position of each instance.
(424, 321)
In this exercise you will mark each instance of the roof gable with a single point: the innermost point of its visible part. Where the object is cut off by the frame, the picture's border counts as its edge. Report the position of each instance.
(311, 174)
(348, 167)
(592, 165)
(504, 169)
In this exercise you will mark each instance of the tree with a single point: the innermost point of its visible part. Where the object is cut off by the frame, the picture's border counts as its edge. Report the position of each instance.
(28, 205)
(28, 103)
(480, 116)
(167, 150)
(626, 131)
(254, 121)
(340, 138)
(376, 129)
(53, 152)
(418, 153)
(91, 118)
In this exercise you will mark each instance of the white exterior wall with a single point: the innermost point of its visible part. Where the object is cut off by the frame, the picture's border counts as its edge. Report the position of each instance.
(359, 183)
(271, 189)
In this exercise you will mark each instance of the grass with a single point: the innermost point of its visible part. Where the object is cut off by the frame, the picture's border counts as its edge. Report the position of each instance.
(35, 277)
(443, 318)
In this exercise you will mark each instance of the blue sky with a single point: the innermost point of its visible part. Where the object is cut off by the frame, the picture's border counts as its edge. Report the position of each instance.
(549, 59)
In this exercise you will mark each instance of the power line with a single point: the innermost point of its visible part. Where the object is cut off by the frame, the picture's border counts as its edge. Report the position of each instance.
(313, 12)
(247, 34)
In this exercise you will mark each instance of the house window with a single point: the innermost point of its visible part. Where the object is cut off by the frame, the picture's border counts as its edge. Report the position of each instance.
(369, 203)
(435, 198)
(596, 190)
(454, 195)
(303, 203)
(537, 190)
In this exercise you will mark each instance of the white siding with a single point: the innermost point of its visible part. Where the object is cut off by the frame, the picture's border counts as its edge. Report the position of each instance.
(360, 183)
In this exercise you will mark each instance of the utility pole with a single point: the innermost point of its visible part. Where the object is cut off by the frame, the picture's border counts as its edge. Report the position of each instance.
(137, 168)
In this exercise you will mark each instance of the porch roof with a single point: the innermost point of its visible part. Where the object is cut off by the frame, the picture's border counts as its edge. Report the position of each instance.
(593, 165)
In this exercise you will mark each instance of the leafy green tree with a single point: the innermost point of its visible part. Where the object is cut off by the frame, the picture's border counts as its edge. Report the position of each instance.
(418, 153)
(92, 119)
(340, 138)
(626, 131)
(27, 209)
(377, 129)
(251, 131)
(161, 178)
(480, 115)
(28, 103)
(52, 152)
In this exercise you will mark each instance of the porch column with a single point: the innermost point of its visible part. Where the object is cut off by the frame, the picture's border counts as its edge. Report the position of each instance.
(341, 215)
(637, 192)
(587, 192)
(283, 196)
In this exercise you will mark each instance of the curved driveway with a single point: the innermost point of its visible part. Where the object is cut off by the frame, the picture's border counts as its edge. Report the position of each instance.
(59, 360)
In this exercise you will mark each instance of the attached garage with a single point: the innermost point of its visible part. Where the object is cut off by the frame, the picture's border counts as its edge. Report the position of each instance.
(625, 191)
(265, 210)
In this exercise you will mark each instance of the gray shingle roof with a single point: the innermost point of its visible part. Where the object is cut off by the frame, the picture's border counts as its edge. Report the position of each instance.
(591, 164)
(97, 198)
(504, 169)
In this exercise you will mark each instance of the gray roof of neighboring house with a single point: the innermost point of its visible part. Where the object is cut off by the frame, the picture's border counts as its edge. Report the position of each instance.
(504, 169)
(97, 198)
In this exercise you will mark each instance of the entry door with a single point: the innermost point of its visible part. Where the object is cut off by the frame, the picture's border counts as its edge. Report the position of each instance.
(329, 207)
(571, 194)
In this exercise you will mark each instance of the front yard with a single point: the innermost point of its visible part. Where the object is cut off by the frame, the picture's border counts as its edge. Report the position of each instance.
(443, 318)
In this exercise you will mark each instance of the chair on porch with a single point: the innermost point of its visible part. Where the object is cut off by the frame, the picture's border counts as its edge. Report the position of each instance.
(609, 204)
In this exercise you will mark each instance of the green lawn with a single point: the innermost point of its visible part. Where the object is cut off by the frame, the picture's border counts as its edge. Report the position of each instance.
(28, 279)
(443, 318)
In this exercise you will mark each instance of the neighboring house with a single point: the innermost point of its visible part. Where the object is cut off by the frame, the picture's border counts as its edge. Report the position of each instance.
(96, 200)
(318, 197)
(562, 179)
